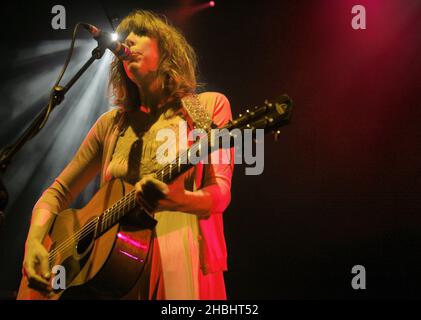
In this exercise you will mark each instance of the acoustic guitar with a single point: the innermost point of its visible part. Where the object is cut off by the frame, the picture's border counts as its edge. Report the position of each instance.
(104, 246)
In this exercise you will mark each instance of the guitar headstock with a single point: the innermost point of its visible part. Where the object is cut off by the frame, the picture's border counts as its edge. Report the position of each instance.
(273, 115)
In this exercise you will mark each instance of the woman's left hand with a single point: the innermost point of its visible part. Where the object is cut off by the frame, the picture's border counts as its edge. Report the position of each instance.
(160, 195)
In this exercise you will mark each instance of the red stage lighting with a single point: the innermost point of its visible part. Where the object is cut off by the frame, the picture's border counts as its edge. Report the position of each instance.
(211, 4)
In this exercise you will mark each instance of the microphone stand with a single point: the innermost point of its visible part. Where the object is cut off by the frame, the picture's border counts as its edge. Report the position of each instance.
(57, 96)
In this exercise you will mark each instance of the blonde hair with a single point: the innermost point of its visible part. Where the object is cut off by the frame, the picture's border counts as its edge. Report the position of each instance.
(177, 66)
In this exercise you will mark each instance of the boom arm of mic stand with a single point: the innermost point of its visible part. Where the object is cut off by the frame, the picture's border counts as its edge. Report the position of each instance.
(59, 92)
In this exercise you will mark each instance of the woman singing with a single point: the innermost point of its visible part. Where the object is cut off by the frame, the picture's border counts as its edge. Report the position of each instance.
(150, 88)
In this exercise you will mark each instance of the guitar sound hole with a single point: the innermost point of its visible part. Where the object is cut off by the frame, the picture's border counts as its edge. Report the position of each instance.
(85, 241)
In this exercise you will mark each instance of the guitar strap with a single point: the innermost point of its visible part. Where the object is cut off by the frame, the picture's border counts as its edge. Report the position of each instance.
(197, 112)
(201, 120)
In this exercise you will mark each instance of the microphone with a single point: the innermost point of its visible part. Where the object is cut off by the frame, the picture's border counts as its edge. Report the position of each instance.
(105, 39)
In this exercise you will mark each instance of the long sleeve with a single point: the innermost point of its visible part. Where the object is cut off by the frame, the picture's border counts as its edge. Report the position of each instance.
(218, 173)
(83, 167)
(217, 183)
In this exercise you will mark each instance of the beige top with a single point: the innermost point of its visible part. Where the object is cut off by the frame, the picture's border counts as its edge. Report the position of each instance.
(129, 154)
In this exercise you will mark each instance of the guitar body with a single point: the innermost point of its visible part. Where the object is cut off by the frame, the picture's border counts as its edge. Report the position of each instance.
(106, 267)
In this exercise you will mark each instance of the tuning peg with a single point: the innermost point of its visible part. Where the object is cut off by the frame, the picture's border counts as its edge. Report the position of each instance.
(276, 135)
(240, 115)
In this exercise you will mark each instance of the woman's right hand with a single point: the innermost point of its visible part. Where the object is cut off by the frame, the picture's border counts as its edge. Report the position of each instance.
(36, 266)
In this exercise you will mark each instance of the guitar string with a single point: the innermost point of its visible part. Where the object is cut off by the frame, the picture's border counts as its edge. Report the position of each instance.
(115, 209)
(106, 218)
(87, 229)
(81, 233)
(90, 226)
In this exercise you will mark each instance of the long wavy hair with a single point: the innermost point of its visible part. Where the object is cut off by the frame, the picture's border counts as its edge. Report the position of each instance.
(177, 67)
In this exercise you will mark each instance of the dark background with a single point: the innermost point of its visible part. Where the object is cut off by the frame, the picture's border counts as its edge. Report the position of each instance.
(341, 187)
